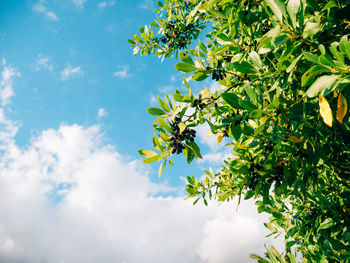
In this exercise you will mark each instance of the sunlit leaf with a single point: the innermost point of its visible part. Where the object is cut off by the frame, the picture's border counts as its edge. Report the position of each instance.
(219, 138)
(325, 111)
(147, 153)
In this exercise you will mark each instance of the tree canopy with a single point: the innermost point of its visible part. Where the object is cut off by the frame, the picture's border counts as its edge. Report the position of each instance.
(284, 74)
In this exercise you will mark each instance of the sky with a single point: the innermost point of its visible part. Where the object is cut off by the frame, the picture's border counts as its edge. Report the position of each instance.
(73, 188)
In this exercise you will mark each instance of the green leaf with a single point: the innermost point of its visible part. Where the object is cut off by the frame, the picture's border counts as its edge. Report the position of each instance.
(178, 97)
(244, 67)
(217, 14)
(344, 46)
(322, 83)
(292, 9)
(137, 38)
(161, 168)
(325, 224)
(188, 152)
(151, 159)
(164, 125)
(310, 75)
(186, 58)
(154, 24)
(185, 67)
(257, 114)
(247, 105)
(147, 153)
(155, 111)
(231, 99)
(236, 131)
(202, 47)
(260, 129)
(196, 149)
(293, 64)
(311, 29)
(130, 41)
(163, 104)
(277, 7)
(255, 59)
(311, 57)
(200, 75)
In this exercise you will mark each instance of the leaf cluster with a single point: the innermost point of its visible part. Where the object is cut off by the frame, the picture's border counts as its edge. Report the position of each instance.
(284, 72)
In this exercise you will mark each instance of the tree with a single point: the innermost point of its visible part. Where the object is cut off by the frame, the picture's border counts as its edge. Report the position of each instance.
(284, 74)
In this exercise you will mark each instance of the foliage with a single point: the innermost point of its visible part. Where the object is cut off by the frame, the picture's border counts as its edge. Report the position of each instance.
(284, 72)
(273, 256)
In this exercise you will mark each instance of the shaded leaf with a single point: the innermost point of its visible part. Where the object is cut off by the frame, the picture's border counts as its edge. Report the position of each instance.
(342, 108)
(231, 99)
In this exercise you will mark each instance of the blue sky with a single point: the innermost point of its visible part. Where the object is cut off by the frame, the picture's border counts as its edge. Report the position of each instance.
(73, 100)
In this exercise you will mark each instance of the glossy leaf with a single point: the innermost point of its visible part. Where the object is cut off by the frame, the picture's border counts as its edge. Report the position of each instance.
(156, 111)
(185, 67)
(322, 83)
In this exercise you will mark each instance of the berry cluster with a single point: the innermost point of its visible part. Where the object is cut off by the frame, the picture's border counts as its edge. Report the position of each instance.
(177, 139)
(225, 131)
(253, 181)
(228, 56)
(177, 36)
(266, 27)
(244, 77)
(254, 175)
(188, 6)
(199, 103)
(218, 74)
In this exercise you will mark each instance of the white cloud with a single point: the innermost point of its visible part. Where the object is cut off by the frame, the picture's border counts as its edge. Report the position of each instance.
(6, 82)
(102, 112)
(167, 89)
(147, 5)
(216, 157)
(153, 100)
(70, 72)
(40, 8)
(79, 3)
(42, 62)
(106, 4)
(207, 137)
(108, 211)
(123, 72)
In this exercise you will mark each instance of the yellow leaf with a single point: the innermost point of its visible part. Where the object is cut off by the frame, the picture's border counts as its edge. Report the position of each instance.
(342, 108)
(295, 139)
(325, 111)
(220, 137)
(243, 147)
